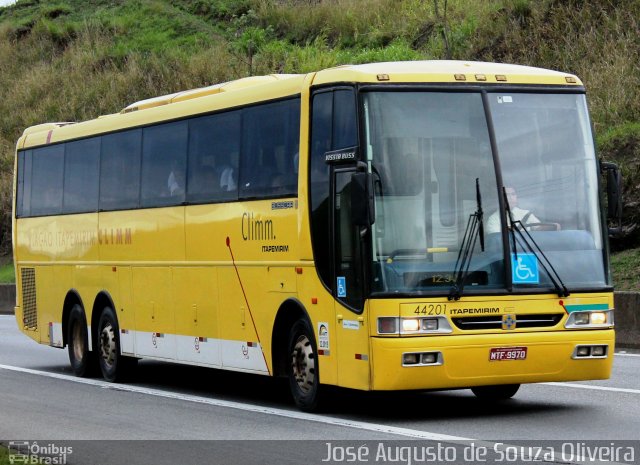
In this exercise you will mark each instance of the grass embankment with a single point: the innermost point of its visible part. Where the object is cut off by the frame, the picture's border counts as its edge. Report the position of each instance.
(4, 455)
(626, 270)
(72, 60)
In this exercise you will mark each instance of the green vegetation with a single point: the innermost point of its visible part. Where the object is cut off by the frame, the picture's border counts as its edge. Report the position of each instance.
(4, 455)
(626, 270)
(7, 274)
(71, 60)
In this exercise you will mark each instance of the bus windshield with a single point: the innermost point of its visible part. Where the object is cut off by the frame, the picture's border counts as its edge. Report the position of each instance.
(430, 156)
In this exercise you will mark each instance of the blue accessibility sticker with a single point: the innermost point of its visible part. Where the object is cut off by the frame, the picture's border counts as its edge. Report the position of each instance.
(342, 286)
(524, 268)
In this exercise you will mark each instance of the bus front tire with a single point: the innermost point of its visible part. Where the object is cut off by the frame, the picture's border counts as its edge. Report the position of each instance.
(113, 365)
(302, 366)
(499, 392)
(83, 361)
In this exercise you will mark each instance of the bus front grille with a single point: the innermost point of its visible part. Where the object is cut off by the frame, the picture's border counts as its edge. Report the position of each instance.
(475, 323)
(29, 309)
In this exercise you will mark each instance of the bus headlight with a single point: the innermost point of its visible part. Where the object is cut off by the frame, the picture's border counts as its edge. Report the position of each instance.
(410, 325)
(586, 320)
(413, 326)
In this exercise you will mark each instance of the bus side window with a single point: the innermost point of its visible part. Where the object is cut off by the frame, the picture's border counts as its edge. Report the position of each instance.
(120, 170)
(23, 206)
(81, 172)
(214, 147)
(269, 149)
(46, 182)
(164, 160)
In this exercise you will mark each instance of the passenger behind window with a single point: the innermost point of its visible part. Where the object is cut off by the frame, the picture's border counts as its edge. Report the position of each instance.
(227, 178)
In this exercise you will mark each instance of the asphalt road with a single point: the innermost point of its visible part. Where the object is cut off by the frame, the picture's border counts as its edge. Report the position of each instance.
(196, 415)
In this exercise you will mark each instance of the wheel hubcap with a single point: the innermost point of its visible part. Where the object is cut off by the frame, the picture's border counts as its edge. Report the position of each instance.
(303, 364)
(108, 345)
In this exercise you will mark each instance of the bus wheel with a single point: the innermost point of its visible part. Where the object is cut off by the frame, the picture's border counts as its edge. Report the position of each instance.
(302, 366)
(114, 366)
(500, 392)
(83, 362)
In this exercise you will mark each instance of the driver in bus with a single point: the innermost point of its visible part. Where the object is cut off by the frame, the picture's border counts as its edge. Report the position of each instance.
(518, 214)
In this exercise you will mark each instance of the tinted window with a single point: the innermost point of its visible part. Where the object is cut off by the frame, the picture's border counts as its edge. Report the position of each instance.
(120, 170)
(319, 182)
(214, 151)
(81, 176)
(164, 160)
(23, 200)
(269, 164)
(46, 180)
(345, 133)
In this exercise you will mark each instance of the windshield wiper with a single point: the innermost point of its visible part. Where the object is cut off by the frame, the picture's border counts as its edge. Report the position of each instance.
(474, 230)
(516, 228)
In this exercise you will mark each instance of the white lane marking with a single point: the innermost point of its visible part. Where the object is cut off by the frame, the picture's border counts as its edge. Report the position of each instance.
(627, 355)
(412, 433)
(595, 388)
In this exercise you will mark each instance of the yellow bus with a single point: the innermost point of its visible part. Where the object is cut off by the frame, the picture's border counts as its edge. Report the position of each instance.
(387, 226)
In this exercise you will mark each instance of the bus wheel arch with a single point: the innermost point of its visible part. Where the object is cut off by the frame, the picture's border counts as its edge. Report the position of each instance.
(106, 335)
(290, 311)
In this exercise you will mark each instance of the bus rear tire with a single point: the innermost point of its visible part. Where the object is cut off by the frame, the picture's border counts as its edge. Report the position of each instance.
(83, 361)
(302, 367)
(113, 365)
(499, 392)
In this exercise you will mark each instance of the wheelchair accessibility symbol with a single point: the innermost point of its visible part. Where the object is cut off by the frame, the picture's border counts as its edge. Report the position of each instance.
(342, 286)
(524, 269)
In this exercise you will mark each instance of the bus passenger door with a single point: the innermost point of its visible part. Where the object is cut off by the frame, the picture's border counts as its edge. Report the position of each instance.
(349, 286)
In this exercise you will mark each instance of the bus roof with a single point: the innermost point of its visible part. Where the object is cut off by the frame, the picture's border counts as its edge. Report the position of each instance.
(259, 88)
(442, 71)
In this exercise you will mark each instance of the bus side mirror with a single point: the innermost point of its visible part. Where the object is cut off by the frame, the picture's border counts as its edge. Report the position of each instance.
(614, 196)
(362, 202)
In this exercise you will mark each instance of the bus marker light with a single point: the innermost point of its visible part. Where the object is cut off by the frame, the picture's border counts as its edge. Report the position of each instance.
(501, 78)
(429, 358)
(410, 359)
(481, 77)
(387, 325)
(570, 79)
(383, 77)
(583, 351)
(460, 77)
(314, 300)
(299, 269)
(430, 324)
(581, 319)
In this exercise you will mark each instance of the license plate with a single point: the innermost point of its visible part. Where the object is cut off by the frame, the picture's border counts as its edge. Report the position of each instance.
(500, 354)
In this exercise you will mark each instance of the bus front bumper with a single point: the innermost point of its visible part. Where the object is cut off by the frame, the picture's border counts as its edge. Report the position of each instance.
(464, 360)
